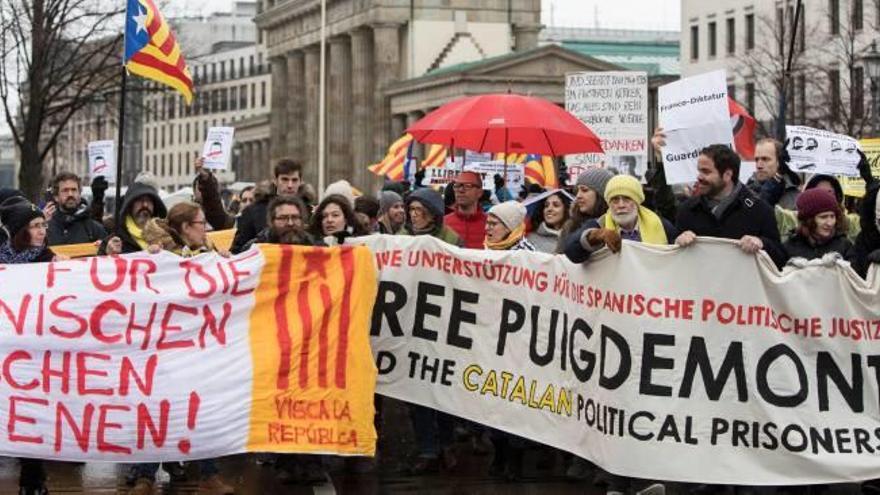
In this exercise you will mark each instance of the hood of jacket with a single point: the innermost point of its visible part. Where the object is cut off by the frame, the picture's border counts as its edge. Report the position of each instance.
(138, 190)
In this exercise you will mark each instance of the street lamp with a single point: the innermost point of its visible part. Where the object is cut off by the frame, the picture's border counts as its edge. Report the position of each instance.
(871, 59)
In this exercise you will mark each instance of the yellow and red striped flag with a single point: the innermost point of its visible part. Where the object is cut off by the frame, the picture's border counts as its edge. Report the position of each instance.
(537, 169)
(392, 166)
(151, 50)
(435, 157)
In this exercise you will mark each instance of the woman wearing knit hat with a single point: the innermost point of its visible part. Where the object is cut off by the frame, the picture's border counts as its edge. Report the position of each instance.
(424, 216)
(392, 212)
(821, 227)
(506, 228)
(26, 226)
(589, 202)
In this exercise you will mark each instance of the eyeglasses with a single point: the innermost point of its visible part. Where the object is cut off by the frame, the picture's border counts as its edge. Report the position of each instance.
(416, 209)
(198, 222)
(459, 186)
(288, 218)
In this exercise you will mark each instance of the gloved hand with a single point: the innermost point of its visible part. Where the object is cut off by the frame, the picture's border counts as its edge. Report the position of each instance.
(874, 257)
(99, 186)
(865, 168)
(772, 190)
(611, 239)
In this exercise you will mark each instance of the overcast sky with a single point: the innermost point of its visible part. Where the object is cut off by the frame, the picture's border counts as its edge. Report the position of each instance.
(632, 14)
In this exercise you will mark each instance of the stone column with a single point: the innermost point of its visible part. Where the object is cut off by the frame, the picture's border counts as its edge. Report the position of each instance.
(386, 50)
(339, 161)
(418, 148)
(525, 36)
(362, 86)
(267, 169)
(296, 110)
(278, 114)
(311, 69)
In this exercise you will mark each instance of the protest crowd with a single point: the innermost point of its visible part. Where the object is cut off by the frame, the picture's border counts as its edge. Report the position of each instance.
(796, 220)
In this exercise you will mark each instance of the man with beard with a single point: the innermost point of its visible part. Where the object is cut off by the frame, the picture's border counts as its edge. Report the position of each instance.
(726, 208)
(72, 221)
(288, 178)
(286, 220)
(140, 203)
(626, 219)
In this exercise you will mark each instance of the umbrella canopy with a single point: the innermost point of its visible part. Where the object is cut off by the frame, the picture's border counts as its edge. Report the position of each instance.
(506, 123)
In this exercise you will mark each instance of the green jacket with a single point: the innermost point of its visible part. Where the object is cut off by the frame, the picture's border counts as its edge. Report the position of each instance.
(443, 233)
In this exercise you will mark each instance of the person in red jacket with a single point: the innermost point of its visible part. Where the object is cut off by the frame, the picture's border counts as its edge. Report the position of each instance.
(467, 218)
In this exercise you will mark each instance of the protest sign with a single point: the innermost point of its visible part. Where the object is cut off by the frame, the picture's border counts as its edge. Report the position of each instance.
(629, 364)
(102, 160)
(693, 113)
(614, 105)
(855, 186)
(217, 151)
(148, 358)
(437, 176)
(816, 151)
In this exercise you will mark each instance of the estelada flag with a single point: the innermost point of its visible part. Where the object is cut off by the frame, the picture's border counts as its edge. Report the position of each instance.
(743, 126)
(393, 165)
(152, 51)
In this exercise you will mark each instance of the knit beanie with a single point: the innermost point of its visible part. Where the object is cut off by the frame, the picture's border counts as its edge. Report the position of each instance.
(387, 199)
(624, 185)
(431, 200)
(510, 213)
(596, 179)
(341, 188)
(16, 214)
(815, 201)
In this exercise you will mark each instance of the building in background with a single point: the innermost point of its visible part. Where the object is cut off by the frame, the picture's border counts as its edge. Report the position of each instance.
(752, 39)
(8, 162)
(232, 88)
(371, 47)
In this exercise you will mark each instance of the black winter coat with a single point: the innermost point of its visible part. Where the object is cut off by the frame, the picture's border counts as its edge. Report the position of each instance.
(798, 246)
(748, 215)
(867, 248)
(137, 190)
(251, 222)
(74, 228)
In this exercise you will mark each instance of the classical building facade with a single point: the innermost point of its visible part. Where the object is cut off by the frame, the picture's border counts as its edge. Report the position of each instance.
(372, 45)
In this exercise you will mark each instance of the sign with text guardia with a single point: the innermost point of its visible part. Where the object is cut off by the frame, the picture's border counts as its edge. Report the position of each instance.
(148, 358)
(642, 362)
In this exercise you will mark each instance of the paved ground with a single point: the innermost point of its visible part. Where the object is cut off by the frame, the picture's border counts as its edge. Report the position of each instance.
(543, 473)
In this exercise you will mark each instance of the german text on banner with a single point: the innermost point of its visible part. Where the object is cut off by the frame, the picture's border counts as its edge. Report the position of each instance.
(148, 358)
(700, 364)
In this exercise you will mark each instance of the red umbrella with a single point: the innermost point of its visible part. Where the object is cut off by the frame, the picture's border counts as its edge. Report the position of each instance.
(506, 123)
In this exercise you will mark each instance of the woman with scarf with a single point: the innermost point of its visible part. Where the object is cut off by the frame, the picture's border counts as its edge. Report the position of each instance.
(821, 227)
(506, 228)
(549, 217)
(184, 232)
(27, 228)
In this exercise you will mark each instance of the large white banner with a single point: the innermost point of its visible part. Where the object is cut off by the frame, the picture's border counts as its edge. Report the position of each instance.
(642, 362)
(614, 105)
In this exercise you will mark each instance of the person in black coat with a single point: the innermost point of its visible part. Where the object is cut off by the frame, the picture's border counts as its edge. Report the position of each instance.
(867, 248)
(72, 218)
(140, 203)
(725, 208)
(288, 178)
(821, 227)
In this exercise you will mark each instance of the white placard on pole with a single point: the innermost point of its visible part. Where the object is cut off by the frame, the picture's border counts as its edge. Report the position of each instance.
(218, 148)
(102, 160)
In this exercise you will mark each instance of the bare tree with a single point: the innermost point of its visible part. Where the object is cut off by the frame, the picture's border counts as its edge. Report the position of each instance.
(56, 56)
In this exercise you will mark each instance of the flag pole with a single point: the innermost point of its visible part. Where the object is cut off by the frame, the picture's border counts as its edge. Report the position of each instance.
(322, 99)
(119, 136)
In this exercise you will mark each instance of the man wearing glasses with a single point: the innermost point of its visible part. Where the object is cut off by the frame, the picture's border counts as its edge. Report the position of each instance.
(467, 219)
